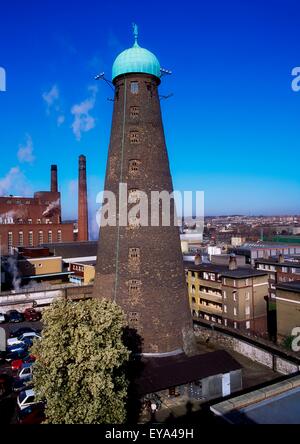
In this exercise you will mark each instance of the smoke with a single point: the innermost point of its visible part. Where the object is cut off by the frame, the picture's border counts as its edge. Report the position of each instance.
(12, 268)
(10, 216)
(52, 208)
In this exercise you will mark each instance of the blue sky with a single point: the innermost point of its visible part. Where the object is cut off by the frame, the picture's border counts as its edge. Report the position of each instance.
(232, 126)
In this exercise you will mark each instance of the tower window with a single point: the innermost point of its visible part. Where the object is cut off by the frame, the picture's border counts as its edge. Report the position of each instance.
(134, 253)
(134, 87)
(134, 287)
(134, 137)
(134, 111)
(134, 167)
(50, 239)
(59, 236)
(133, 319)
(134, 196)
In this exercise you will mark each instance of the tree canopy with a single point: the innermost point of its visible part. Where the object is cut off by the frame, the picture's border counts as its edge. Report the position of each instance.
(81, 357)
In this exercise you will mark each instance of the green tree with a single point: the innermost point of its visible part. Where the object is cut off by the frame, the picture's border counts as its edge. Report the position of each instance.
(81, 357)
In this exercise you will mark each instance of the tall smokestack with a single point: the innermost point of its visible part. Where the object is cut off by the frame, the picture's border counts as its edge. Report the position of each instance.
(54, 187)
(83, 230)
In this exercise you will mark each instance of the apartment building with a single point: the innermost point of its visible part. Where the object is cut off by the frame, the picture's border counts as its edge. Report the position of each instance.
(228, 295)
(288, 309)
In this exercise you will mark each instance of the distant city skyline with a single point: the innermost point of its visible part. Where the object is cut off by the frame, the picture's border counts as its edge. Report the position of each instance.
(232, 126)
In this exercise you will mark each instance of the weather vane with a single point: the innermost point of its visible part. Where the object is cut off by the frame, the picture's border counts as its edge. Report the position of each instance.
(135, 32)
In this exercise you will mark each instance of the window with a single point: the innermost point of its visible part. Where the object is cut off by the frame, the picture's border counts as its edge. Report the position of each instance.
(134, 196)
(59, 236)
(134, 112)
(30, 238)
(247, 310)
(134, 288)
(247, 281)
(235, 325)
(134, 137)
(225, 294)
(134, 253)
(50, 237)
(234, 283)
(248, 325)
(194, 300)
(10, 239)
(224, 281)
(248, 296)
(30, 221)
(41, 238)
(225, 322)
(134, 87)
(234, 294)
(225, 308)
(134, 167)
(21, 239)
(39, 221)
(235, 311)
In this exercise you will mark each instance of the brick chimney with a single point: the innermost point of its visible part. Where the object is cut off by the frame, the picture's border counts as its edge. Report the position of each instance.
(232, 263)
(54, 187)
(83, 230)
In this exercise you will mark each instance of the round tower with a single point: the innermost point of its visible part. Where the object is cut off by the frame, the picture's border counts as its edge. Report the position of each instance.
(141, 267)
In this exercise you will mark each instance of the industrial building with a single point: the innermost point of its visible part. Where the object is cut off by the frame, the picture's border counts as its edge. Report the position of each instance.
(33, 221)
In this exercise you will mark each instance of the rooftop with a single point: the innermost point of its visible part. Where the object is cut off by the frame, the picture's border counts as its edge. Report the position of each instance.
(290, 286)
(223, 270)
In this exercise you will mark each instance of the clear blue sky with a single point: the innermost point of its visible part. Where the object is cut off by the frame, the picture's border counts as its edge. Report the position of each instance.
(232, 126)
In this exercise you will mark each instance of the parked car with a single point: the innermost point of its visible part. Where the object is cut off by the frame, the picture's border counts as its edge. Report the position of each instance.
(21, 339)
(17, 353)
(19, 385)
(34, 414)
(14, 317)
(17, 364)
(21, 331)
(16, 347)
(31, 315)
(25, 371)
(3, 318)
(26, 399)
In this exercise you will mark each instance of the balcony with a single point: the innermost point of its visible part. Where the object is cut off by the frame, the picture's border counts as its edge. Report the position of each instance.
(211, 296)
(210, 309)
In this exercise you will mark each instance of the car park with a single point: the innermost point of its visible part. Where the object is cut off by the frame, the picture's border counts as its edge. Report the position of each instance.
(17, 364)
(21, 331)
(21, 339)
(34, 414)
(20, 385)
(13, 316)
(17, 353)
(31, 315)
(26, 399)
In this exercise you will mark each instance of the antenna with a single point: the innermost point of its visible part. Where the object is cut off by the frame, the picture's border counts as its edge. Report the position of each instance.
(165, 72)
(166, 97)
(101, 77)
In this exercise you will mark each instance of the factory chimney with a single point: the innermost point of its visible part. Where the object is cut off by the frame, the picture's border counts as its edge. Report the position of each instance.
(54, 187)
(83, 230)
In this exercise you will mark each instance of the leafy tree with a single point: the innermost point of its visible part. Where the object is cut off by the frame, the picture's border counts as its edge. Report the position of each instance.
(81, 357)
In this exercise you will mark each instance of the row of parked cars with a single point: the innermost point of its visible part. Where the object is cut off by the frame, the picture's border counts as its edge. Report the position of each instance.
(19, 380)
(14, 316)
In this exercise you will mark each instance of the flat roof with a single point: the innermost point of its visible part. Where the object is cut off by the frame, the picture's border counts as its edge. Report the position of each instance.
(223, 270)
(275, 404)
(73, 249)
(274, 261)
(289, 286)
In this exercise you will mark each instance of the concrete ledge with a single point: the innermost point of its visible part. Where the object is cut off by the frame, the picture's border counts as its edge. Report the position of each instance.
(240, 402)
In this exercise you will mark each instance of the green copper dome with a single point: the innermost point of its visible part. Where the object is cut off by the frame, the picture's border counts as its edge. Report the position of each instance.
(136, 59)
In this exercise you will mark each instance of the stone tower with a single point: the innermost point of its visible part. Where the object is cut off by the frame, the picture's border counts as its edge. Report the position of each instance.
(141, 267)
(83, 224)
(54, 186)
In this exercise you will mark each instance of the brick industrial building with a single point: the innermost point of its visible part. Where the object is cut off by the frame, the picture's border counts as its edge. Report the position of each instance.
(34, 221)
(141, 267)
